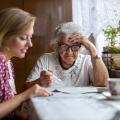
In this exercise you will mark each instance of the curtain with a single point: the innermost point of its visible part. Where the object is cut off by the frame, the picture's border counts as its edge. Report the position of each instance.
(94, 15)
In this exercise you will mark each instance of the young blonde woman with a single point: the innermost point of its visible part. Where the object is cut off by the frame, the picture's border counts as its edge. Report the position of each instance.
(16, 30)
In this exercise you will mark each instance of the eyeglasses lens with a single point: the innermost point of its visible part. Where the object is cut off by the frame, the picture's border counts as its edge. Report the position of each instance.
(66, 47)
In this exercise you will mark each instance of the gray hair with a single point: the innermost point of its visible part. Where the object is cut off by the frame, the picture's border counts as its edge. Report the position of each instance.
(65, 29)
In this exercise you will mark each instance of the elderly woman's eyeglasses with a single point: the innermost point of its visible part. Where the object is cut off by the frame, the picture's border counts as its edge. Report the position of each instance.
(66, 47)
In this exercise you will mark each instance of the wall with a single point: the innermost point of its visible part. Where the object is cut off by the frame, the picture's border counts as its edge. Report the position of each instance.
(49, 14)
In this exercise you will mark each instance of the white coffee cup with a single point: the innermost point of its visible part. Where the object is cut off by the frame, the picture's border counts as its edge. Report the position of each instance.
(114, 86)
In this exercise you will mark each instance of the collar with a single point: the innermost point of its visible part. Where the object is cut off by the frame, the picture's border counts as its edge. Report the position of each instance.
(62, 64)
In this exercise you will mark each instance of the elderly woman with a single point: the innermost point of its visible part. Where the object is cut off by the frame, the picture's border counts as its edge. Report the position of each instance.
(16, 29)
(68, 64)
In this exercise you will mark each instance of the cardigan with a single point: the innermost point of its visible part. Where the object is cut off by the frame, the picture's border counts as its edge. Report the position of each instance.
(6, 92)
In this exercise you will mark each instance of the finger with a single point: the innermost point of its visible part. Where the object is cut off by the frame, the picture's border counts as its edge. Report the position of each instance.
(46, 92)
(46, 83)
(46, 78)
(76, 37)
(77, 34)
(42, 73)
(49, 73)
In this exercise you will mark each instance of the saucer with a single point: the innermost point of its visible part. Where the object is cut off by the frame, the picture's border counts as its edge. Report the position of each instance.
(111, 97)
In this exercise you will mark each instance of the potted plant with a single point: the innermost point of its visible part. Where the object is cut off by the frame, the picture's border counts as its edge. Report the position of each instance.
(111, 34)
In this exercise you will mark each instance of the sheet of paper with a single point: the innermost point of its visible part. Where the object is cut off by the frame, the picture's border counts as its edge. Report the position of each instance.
(78, 90)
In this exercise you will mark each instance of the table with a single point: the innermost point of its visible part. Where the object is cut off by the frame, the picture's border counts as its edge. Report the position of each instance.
(75, 103)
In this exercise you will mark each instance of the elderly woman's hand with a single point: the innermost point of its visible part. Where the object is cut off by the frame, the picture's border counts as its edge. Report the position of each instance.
(79, 38)
(46, 78)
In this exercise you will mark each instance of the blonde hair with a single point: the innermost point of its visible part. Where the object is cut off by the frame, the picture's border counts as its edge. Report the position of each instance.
(14, 21)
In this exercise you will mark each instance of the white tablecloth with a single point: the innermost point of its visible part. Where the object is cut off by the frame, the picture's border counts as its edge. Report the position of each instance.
(83, 103)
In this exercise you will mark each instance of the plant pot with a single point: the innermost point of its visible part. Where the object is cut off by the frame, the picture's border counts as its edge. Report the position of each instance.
(116, 61)
(106, 49)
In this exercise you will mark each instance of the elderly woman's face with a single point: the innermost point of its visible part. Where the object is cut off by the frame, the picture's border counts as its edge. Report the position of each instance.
(68, 48)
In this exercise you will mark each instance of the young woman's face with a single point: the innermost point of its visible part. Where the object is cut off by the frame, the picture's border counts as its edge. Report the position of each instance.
(17, 45)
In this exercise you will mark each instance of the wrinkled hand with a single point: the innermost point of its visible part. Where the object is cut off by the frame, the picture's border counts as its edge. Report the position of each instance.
(46, 78)
(36, 90)
(79, 38)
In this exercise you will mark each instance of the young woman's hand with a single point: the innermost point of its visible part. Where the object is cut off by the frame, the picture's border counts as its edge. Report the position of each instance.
(34, 91)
